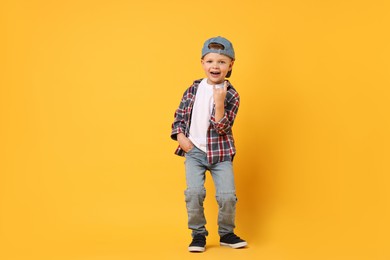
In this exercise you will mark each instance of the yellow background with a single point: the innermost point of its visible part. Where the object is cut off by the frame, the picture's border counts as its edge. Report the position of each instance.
(88, 92)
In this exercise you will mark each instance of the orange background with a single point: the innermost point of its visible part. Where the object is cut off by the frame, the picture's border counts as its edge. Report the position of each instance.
(87, 96)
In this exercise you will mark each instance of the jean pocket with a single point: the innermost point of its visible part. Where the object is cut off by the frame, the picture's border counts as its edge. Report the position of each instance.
(191, 150)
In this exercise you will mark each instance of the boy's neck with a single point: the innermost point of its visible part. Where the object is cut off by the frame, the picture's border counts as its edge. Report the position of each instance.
(212, 83)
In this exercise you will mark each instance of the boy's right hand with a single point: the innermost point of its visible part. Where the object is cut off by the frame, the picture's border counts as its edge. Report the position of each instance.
(184, 142)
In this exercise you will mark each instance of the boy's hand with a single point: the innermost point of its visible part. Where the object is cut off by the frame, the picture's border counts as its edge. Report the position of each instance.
(220, 95)
(184, 142)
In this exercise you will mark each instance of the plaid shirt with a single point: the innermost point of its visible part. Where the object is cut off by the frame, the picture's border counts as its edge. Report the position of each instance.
(220, 142)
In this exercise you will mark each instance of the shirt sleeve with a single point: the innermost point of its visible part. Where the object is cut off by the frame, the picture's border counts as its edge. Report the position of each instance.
(179, 124)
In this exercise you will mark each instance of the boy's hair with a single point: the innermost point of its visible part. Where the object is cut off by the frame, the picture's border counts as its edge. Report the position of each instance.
(216, 46)
(219, 45)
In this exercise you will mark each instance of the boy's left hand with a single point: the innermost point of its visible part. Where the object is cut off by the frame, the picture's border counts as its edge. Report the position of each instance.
(220, 94)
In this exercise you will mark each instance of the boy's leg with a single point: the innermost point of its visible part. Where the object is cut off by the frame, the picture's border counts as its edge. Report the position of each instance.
(195, 192)
(223, 178)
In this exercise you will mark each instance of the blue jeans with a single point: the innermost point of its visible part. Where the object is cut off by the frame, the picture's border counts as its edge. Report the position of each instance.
(196, 166)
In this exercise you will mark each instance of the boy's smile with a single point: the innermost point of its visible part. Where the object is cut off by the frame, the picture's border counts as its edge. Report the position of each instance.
(216, 66)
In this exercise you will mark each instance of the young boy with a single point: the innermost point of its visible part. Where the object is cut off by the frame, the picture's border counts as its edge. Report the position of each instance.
(203, 127)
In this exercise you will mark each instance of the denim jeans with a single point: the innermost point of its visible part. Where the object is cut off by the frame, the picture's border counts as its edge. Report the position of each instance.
(196, 166)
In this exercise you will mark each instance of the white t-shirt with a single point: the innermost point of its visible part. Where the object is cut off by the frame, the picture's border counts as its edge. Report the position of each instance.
(201, 113)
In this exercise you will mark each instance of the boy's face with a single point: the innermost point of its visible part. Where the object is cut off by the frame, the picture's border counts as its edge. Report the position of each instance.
(216, 66)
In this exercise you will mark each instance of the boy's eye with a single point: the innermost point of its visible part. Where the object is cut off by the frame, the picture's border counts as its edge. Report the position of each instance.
(219, 62)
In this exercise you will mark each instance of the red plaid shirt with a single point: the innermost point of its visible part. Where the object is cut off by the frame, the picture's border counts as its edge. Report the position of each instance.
(220, 141)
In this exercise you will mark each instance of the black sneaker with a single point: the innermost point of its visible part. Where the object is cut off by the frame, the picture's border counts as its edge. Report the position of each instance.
(198, 243)
(233, 241)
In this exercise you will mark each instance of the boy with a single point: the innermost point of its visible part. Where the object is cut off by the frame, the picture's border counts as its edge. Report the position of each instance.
(203, 127)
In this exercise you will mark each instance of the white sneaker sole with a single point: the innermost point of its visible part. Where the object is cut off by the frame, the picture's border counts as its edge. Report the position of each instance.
(196, 249)
(237, 245)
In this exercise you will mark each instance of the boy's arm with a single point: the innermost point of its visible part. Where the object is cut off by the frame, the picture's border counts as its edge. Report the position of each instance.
(179, 124)
(219, 100)
(225, 115)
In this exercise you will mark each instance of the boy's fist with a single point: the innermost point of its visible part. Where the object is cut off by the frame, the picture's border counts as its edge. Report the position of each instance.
(220, 94)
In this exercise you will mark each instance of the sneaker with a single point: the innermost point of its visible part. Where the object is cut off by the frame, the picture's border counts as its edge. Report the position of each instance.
(198, 243)
(233, 241)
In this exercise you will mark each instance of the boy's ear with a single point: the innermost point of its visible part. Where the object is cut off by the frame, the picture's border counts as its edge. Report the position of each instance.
(231, 64)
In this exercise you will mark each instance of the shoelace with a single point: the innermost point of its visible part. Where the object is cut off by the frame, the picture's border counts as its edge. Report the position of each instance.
(198, 238)
(232, 236)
